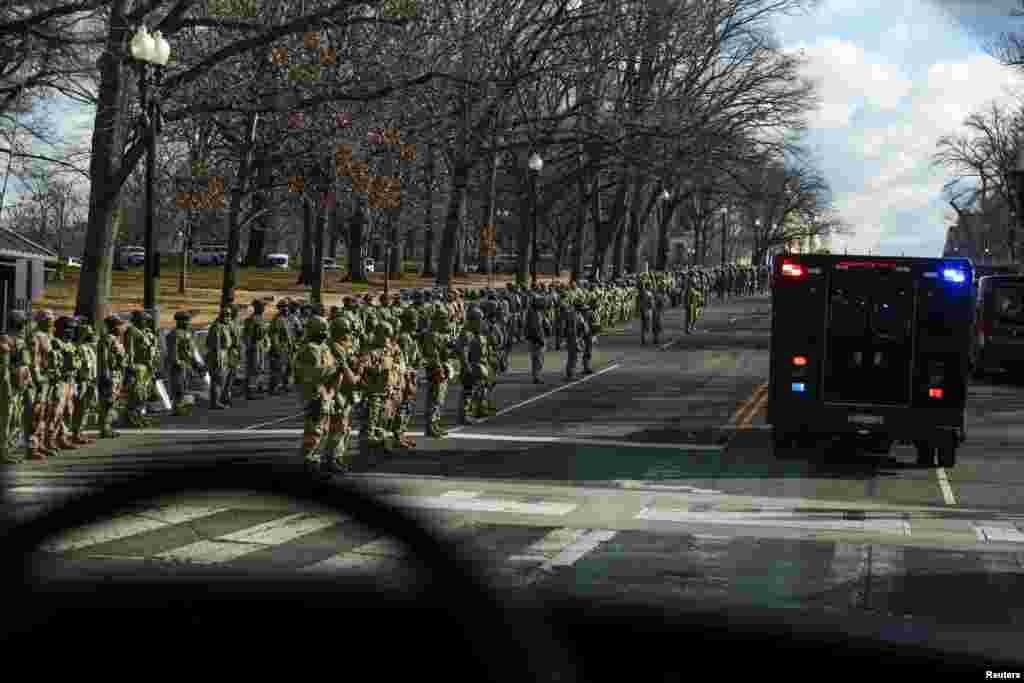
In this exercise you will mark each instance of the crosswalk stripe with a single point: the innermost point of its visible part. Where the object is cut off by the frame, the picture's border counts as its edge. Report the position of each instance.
(128, 525)
(571, 554)
(209, 552)
(548, 547)
(284, 529)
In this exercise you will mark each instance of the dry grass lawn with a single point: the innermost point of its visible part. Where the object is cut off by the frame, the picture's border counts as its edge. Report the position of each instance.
(204, 285)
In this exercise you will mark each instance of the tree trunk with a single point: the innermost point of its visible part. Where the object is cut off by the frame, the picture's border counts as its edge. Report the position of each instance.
(619, 254)
(487, 215)
(306, 272)
(258, 228)
(581, 219)
(357, 229)
(428, 219)
(108, 138)
(449, 239)
(234, 228)
(320, 216)
(397, 251)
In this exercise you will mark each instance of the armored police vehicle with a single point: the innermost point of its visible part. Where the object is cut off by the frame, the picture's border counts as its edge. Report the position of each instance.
(872, 349)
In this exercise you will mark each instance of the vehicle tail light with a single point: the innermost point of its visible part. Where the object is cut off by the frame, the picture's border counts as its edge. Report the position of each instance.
(799, 361)
(799, 387)
(935, 392)
(790, 269)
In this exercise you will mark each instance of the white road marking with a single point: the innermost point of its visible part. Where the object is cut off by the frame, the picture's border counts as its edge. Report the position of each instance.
(461, 494)
(780, 518)
(634, 484)
(284, 529)
(127, 525)
(209, 552)
(549, 393)
(570, 555)
(995, 532)
(452, 434)
(947, 490)
(480, 505)
(548, 547)
(278, 420)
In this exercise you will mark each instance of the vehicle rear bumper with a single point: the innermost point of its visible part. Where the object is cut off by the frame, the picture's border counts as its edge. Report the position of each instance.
(873, 421)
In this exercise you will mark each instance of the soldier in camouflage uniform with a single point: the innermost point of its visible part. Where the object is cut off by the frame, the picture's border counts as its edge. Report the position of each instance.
(379, 365)
(645, 302)
(218, 347)
(344, 347)
(23, 389)
(234, 323)
(408, 342)
(440, 364)
(112, 362)
(85, 403)
(42, 379)
(182, 360)
(67, 359)
(473, 352)
(137, 371)
(15, 379)
(536, 334)
(316, 370)
(257, 344)
(282, 346)
(658, 313)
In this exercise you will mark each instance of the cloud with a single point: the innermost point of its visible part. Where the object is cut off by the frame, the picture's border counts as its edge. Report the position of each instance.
(849, 78)
(881, 116)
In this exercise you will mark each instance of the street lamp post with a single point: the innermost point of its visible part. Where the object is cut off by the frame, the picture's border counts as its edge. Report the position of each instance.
(536, 164)
(150, 51)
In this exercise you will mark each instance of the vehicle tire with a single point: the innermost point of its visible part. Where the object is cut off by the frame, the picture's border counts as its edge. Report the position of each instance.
(925, 453)
(946, 456)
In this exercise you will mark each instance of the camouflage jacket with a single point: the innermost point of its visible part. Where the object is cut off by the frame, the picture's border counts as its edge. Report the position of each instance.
(315, 368)
(89, 367)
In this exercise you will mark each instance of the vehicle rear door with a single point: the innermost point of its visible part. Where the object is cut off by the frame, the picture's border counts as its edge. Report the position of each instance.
(869, 339)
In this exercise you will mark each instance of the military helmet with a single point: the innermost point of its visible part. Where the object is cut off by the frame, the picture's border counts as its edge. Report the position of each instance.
(183, 316)
(317, 327)
(341, 326)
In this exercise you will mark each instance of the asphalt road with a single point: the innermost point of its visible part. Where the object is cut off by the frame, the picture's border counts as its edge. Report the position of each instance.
(653, 478)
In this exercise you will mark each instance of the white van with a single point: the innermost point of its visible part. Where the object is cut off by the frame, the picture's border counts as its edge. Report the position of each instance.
(277, 261)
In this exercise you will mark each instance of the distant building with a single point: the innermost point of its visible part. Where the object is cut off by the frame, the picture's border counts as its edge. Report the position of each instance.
(23, 272)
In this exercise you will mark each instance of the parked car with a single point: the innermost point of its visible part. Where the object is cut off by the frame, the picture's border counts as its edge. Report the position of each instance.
(998, 342)
(277, 261)
(135, 258)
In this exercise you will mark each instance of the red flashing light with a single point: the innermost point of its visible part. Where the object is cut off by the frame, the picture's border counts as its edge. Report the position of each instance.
(793, 269)
(799, 360)
(934, 393)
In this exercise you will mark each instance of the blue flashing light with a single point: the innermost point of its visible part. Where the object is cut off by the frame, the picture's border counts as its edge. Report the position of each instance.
(799, 386)
(952, 275)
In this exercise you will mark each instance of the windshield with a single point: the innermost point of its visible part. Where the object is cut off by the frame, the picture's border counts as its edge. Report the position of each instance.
(573, 438)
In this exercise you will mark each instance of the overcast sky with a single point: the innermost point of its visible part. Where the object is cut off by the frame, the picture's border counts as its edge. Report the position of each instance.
(895, 75)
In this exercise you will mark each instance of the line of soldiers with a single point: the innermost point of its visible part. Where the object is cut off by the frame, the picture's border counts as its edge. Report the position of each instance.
(56, 376)
(365, 354)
